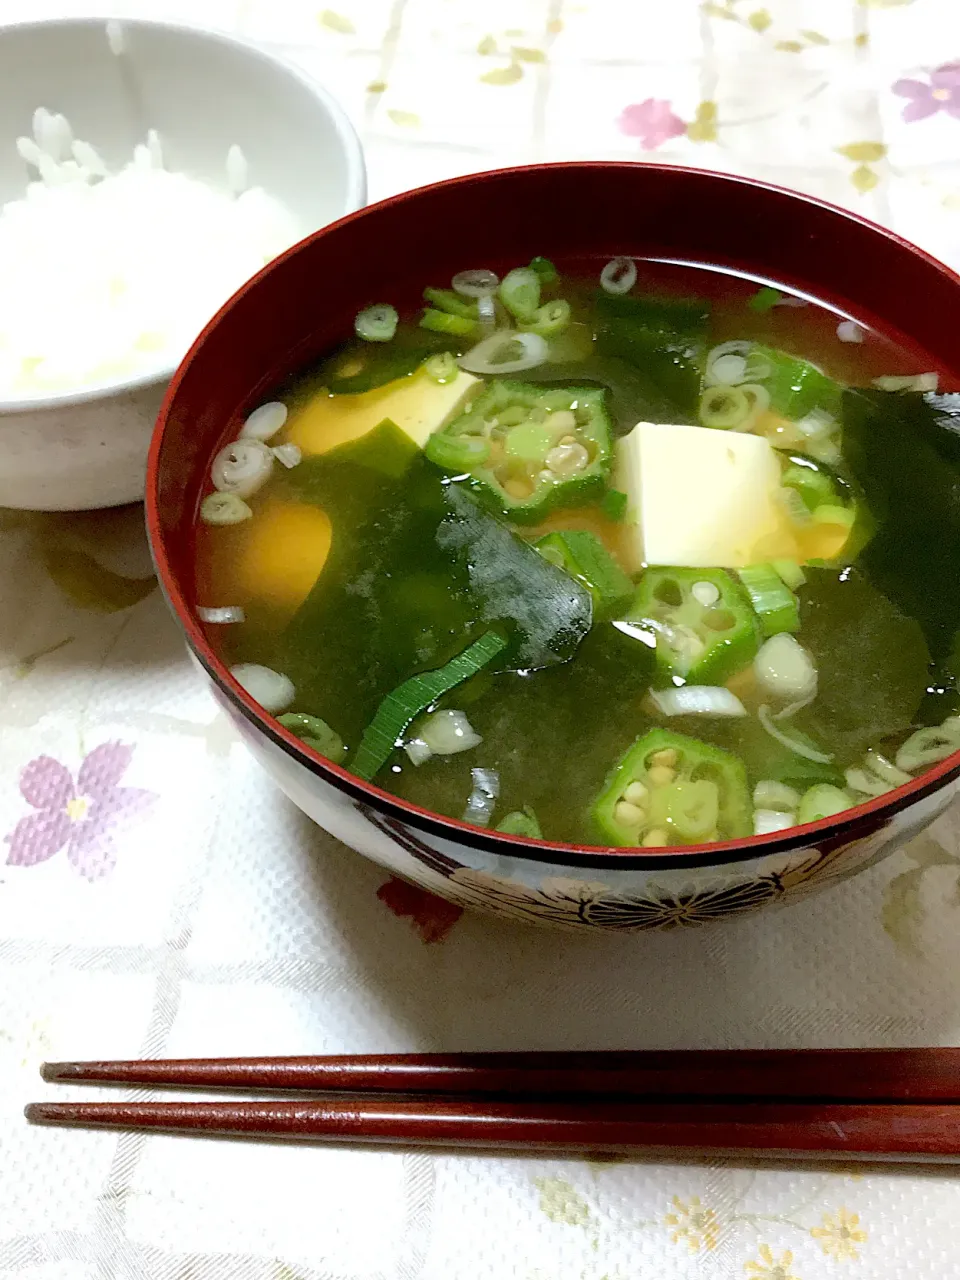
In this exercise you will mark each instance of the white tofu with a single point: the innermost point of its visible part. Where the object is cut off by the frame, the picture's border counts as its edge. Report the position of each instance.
(418, 405)
(699, 497)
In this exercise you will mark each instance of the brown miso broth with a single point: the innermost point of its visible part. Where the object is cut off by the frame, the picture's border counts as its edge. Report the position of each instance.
(638, 563)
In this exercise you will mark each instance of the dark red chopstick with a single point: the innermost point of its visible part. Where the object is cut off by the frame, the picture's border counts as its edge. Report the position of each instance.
(896, 1104)
(833, 1131)
(851, 1075)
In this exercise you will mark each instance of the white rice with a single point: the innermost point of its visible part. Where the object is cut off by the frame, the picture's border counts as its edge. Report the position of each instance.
(110, 275)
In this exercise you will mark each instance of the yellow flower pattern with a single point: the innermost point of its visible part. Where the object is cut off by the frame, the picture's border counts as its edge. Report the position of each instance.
(767, 1267)
(840, 1235)
(693, 1225)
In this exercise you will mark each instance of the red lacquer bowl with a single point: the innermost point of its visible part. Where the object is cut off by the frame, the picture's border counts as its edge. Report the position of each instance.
(303, 303)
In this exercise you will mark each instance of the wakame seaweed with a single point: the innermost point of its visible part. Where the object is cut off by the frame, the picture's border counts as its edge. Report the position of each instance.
(664, 339)
(903, 449)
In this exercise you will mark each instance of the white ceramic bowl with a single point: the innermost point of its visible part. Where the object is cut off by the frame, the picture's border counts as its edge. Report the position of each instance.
(202, 92)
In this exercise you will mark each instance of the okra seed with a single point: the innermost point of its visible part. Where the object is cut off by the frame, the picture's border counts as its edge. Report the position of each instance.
(567, 459)
(667, 756)
(628, 815)
(705, 593)
(660, 775)
(562, 420)
(636, 793)
(654, 838)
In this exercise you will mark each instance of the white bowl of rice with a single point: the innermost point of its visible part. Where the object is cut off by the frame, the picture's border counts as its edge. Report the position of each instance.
(146, 171)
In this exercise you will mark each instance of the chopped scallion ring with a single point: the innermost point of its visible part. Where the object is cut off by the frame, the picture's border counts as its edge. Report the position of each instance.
(483, 797)
(618, 276)
(549, 320)
(221, 616)
(377, 324)
(442, 367)
(288, 455)
(506, 352)
(477, 283)
(274, 692)
(520, 292)
(224, 508)
(242, 468)
(725, 408)
(265, 422)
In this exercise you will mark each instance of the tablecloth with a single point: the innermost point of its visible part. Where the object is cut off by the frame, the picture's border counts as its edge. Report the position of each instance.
(201, 914)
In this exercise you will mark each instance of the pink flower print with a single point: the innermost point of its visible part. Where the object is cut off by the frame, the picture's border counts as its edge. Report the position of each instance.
(84, 815)
(652, 121)
(941, 94)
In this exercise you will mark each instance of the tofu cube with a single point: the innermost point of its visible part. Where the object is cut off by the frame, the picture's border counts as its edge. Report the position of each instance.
(417, 404)
(699, 498)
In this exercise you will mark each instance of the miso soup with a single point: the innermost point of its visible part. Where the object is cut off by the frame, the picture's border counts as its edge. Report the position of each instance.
(631, 554)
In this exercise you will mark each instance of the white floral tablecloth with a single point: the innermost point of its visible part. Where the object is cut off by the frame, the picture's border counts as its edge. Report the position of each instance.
(160, 897)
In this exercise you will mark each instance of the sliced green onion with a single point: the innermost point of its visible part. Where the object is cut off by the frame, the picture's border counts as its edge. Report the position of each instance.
(478, 282)
(724, 408)
(224, 508)
(377, 324)
(457, 453)
(908, 382)
(618, 276)
(549, 320)
(522, 822)
(799, 744)
(886, 769)
(544, 269)
(797, 510)
(850, 331)
(442, 367)
(867, 784)
(483, 797)
(614, 504)
(413, 697)
(814, 486)
(823, 801)
(452, 303)
(698, 700)
(315, 733)
(265, 422)
(288, 455)
(764, 299)
(506, 352)
(272, 690)
(448, 732)
(773, 602)
(930, 746)
(520, 292)
(242, 468)
(768, 821)
(770, 794)
(443, 322)
(790, 572)
(221, 615)
(784, 669)
(751, 365)
(831, 513)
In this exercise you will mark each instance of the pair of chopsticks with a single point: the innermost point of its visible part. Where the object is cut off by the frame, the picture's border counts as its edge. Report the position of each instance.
(894, 1104)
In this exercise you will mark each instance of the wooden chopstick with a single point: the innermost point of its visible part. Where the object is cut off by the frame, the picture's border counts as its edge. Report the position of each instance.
(891, 1131)
(837, 1075)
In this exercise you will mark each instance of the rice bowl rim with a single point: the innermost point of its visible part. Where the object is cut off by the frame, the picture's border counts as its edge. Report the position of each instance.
(355, 195)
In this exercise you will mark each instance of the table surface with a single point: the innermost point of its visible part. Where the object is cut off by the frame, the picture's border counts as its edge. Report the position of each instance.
(203, 915)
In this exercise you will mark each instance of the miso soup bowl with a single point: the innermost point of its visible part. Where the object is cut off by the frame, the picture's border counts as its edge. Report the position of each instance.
(304, 303)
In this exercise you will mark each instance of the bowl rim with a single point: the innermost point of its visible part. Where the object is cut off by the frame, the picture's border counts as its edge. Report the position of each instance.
(347, 137)
(861, 821)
